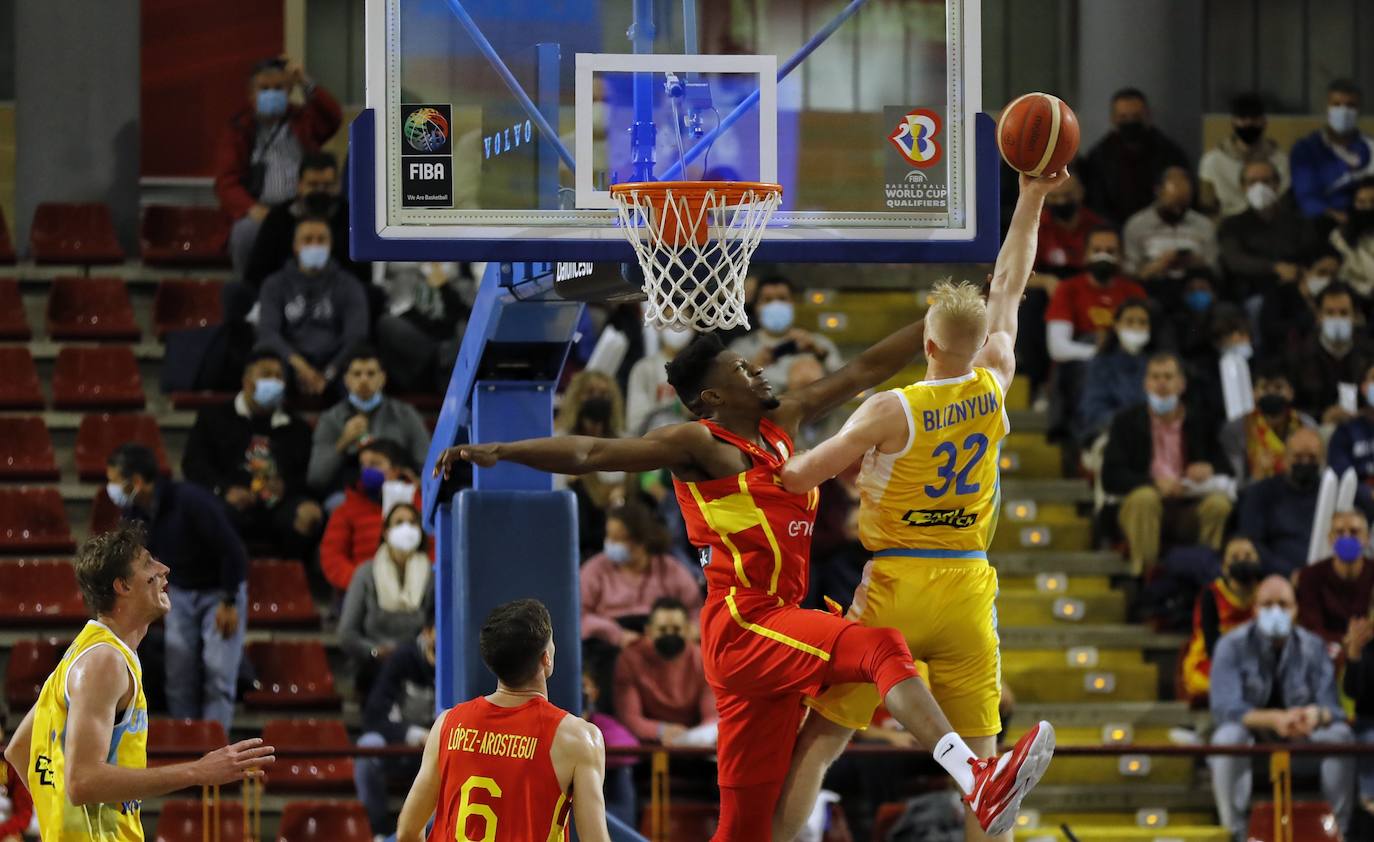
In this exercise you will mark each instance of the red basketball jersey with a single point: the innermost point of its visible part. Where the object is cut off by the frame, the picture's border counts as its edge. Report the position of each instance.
(496, 777)
(754, 534)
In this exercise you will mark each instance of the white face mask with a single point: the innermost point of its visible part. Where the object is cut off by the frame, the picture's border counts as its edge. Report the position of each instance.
(1342, 118)
(1132, 339)
(1316, 283)
(1260, 196)
(1337, 329)
(404, 537)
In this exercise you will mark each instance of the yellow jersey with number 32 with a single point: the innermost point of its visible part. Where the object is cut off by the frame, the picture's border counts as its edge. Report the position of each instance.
(939, 494)
(58, 818)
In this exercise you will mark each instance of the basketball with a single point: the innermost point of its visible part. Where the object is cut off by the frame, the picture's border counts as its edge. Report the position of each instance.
(1037, 134)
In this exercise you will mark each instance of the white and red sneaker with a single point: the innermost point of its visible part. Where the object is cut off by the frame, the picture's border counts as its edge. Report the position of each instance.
(999, 783)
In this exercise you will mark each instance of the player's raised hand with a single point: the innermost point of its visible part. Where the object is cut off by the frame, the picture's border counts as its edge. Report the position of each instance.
(244, 759)
(1045, 184)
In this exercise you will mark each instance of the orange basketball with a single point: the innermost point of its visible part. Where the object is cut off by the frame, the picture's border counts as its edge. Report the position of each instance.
(1037, 134)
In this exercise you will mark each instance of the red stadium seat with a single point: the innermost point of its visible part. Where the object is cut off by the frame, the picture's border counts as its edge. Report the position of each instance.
(324, 821)
(192, 735)
(291, 674)
(91, 309)
(308, 773)
(97, 378)
(19, 387)
(6, 242)
(26, 449)
(13, 325)
(184, 821)
(179, 236)
(1313, 821)
(184, 305)
(30, 664)
(104, 514)
(99, 435)
(32, 520)
(40, 593)
(74, 232)
(279, 595)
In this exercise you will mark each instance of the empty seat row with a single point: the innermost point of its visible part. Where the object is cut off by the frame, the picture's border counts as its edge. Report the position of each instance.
(84, 232)
(26, 450)
(96, 309)
(82, 379)
(301, 821)
(198, 736)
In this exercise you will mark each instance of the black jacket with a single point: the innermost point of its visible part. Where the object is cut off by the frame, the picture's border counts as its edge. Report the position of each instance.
(189, 531)
(1251, 243)
(217, 451)
(275, 244)
(1130, 448)
(1120, 178)
(404, 689)
(1315, 373)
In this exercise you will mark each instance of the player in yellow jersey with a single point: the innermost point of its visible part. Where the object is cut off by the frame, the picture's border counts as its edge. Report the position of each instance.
(84, 745)
(928, 508)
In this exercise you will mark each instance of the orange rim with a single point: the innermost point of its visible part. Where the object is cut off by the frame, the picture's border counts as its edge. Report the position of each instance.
(734, 191)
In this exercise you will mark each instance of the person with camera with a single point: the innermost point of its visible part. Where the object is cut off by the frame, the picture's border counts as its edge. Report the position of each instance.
(776, 340)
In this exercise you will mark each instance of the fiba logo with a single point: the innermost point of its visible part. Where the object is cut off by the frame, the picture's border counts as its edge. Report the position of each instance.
(917, 137)
(426, 130)
(915, 177)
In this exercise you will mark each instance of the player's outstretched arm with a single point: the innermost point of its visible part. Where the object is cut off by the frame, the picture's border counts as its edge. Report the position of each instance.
(21, 744)
(667, 447)
(1015, 262)
(881, 422)
(587, 750)
(94, 686)
(424, 793)
(865, 371)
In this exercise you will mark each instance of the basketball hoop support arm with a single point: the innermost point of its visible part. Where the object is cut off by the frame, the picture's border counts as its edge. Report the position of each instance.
(643, 134)
(489, 53)
(677, 169)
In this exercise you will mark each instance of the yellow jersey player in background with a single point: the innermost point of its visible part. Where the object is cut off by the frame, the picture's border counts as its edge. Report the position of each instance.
(84, 746)
(928, 509)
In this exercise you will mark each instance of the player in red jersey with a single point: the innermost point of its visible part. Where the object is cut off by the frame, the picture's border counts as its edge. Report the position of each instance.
(763, 652)
(510, 767)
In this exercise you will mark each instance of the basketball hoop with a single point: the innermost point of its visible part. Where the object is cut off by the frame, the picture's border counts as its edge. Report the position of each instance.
(694, 240)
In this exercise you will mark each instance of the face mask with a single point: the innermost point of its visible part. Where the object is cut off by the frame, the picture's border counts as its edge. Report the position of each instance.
(1063, 211)
(1248, 134)
(1342, 118)
(776, 316)
(1244, 572)
(371, 479)
(670, 645)
(1273, 622)
(1337, 329)
(674, 339)
(1132, 339)
(617, 551)
(271, 103)
(404, 537)
(1316, 283)
(1132, 132)
(1243, 350)
(1260, 196)
(1304, 475)
(1162, 405)
(121, 498)
(268, 391)
(1198, 300)
(1272, 405)
(366, 405)
(1346, 548)
(313, 258)
(1369, 394)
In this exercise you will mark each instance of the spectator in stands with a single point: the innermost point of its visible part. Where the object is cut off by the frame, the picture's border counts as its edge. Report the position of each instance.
(592, 406)
(1256, 443)
(1335, 591)
(1062, 243)
(1165, 240)
(1222, 606)
(1354, 239)
(1327, 163)
(621, 583)
(1288, 315)
(367, 413)
(354, 531)
(1358, 646)
(16, 805)
(587, 386)
(1264, 244)
(389, 598)
(259, 155)
(399, 711)
(648, 391)
(1352, 443)
(1337, 354)
(253, 453)
(1190, 327)
(311, 311)
(776, 337)
(1120, 172)
(1273, 682)
(1082, 312)
(1221, 188)
(317, 194)
(421, 330)
(618, 788)
(189, 532)
(1163, 459)
(1115, 376)
(660, 683)
(1276, 513)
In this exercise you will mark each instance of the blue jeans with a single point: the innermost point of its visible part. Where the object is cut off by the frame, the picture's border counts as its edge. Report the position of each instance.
(202, 665)
(370, 775)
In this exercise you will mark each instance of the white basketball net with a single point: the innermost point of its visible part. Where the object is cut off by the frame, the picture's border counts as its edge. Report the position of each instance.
(697, 286)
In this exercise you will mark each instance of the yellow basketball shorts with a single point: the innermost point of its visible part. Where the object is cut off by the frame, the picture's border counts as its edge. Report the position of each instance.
(946, 609)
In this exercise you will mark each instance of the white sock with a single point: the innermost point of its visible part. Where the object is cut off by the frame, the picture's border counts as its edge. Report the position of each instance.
(953, 754)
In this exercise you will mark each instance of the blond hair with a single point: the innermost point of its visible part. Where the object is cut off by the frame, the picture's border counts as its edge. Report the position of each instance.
(957, 320)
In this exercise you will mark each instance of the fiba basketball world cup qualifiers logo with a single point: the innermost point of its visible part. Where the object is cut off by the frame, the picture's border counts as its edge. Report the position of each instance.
(917, 137)
(916, 179)
(426, 130)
